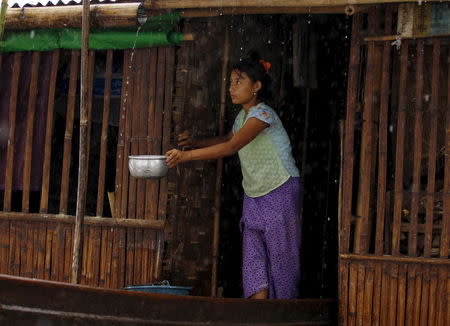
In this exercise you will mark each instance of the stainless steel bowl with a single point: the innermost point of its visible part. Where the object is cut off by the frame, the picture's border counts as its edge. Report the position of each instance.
(147, 166)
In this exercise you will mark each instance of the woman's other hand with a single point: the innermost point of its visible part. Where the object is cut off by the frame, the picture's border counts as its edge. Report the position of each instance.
(174, 156)
(185, 140)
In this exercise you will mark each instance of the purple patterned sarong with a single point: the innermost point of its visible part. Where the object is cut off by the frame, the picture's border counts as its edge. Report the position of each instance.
(271, 242)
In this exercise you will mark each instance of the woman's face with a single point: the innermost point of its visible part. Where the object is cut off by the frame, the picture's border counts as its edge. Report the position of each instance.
(242, 89)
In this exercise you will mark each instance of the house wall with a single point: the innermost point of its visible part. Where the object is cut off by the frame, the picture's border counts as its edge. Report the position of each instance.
(394, 224)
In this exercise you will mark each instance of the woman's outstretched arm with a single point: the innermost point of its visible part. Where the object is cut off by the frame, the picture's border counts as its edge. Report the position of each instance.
(245, 135)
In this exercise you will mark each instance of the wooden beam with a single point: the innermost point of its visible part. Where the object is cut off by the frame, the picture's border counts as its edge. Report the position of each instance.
(84, 145)
(397, 260)
(88, 220)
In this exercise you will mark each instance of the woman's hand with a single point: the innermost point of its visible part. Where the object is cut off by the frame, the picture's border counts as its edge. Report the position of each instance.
(174, 156)
(185, 139)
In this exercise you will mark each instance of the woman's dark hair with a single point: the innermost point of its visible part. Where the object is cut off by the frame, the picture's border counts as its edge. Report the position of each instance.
(256, 71)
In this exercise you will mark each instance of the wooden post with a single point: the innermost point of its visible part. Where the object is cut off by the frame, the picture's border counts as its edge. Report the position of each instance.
(352, 98)
(82, 167)
(223, 94)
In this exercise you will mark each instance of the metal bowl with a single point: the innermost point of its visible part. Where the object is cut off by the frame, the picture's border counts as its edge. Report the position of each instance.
(147, 166)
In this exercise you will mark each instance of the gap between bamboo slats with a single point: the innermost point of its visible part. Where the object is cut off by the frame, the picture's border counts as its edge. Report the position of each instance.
(128, 104)
(32, 94)
(48, 134)
(399, 150)
(68, 134)
(121, 137)
(444, 250)
(383, 137)
(417, 158)
(151, 186)
(104, 133)
(11, 131)
(432, 153)
(362, 232)
(352, 98)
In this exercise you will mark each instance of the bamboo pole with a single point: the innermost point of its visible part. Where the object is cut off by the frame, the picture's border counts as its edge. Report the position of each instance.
(127, 14)
(352, 99)
(32, 95)
(399, 150)
(219, 167)
(364, 200)
(48, 134)
(82, 165)
(3, 10)
(383, 138)
(417, 160)
(11, 132)
(174, 4)
(432, 151)
(67, 151)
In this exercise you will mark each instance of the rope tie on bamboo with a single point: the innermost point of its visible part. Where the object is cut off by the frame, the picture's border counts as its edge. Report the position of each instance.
(398, 42)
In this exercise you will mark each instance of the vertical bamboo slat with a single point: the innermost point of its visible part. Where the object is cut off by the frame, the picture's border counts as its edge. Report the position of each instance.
(377, 282)
(399, 150)
(48, 134)
(432, 303)
(384, 316)
(368, 294)
(352, 98)
(343, 292)
(442, 297)
(48, 250)
(411, 277)
(417, 160)
(104, 134)
(383, 137)
(417, 295)
(360, 293)
(424, 302)
(432, 153)
(11, 132)
(401, 294)
(32, 94)
(393, 293)
(362, 232)
(353, 276)
(67, 151)
(444, 250)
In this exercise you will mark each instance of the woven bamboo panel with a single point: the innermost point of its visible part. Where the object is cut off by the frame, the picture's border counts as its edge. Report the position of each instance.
(378, 291)
(395, 194)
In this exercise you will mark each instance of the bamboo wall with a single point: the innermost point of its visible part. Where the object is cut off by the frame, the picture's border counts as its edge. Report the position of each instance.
(395, 206)
(124, 232)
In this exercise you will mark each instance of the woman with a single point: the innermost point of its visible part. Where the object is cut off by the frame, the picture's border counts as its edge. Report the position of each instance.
(271, 182)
